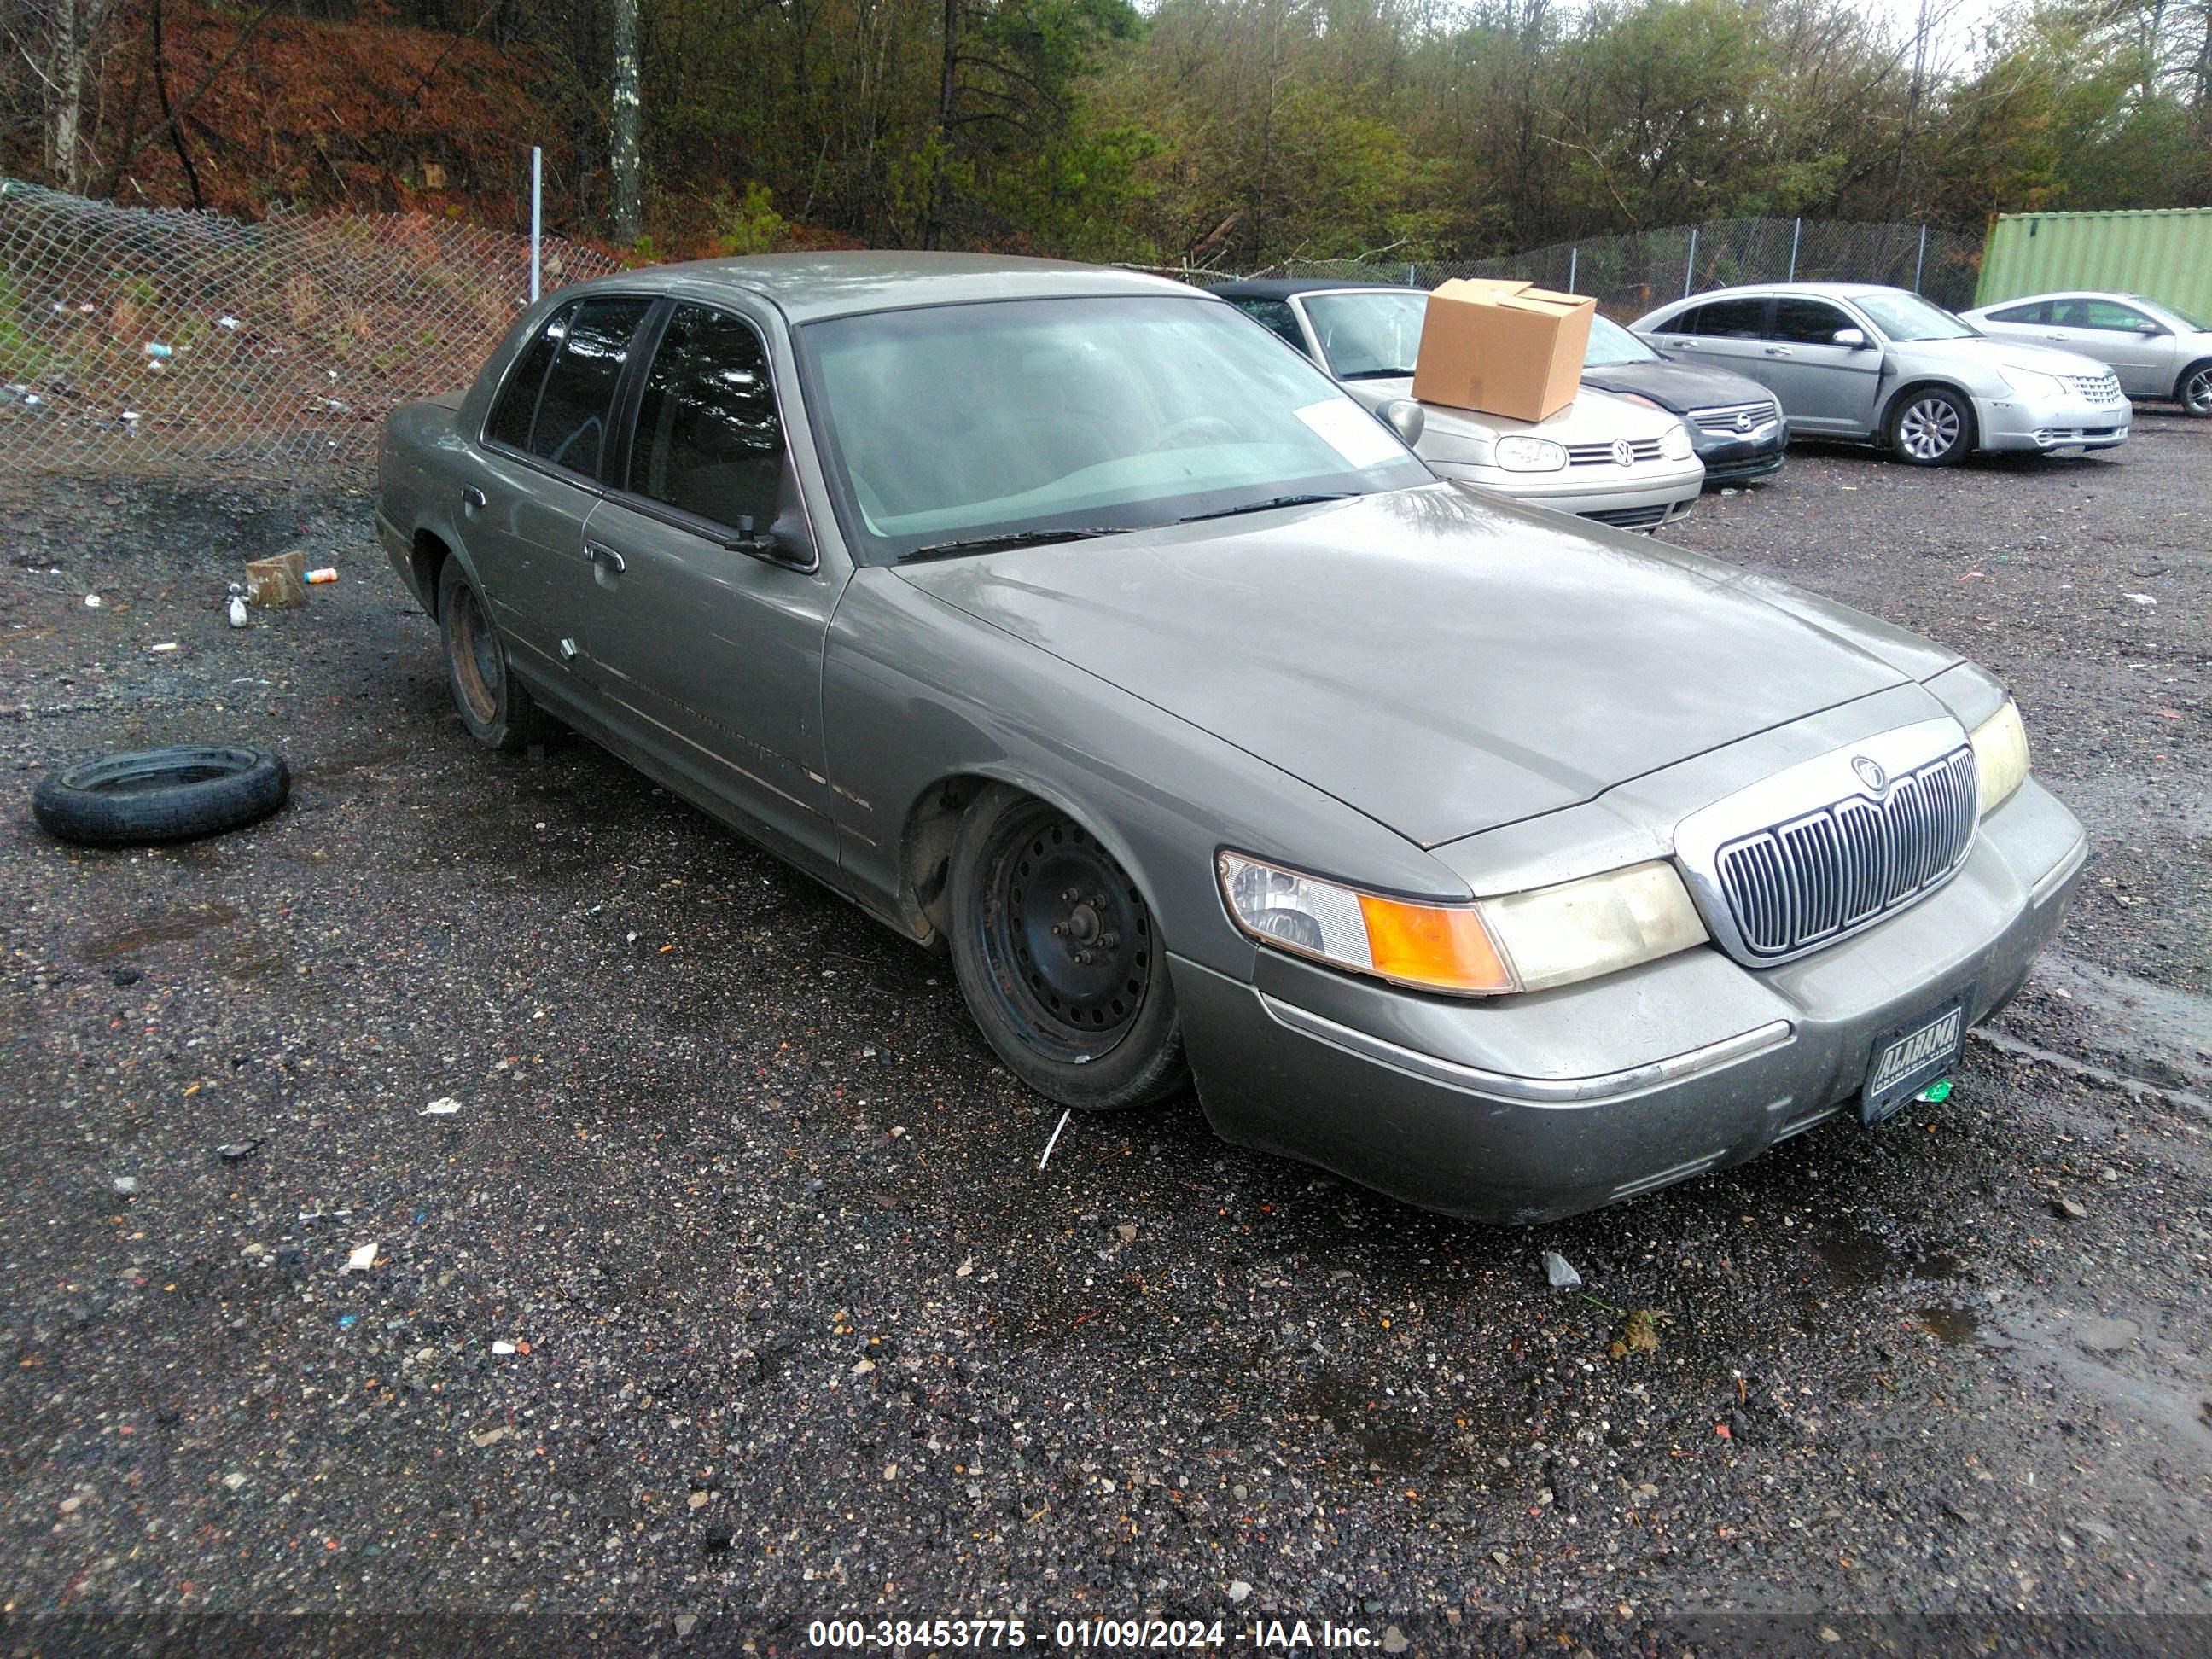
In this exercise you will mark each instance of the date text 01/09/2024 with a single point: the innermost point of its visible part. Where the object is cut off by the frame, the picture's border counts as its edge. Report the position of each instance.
(1139, 1635)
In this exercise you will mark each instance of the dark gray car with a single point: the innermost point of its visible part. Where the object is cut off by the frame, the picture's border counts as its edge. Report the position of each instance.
(1735, 423)
(1058, 618)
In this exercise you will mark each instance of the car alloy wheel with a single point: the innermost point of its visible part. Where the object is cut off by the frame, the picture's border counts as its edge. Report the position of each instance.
(1058, 957)
(2197, 390)
(1931, 429)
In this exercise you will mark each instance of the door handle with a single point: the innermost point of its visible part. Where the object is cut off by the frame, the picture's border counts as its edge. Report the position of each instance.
(473, 498)
(1777, 351)
(604, 557)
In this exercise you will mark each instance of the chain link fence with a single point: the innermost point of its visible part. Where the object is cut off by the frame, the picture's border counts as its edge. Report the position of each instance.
(142, 338)
(1631, 275)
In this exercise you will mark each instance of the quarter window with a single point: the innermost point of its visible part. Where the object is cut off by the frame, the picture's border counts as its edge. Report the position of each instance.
(709, 440)
(518, 399)
(570, 430)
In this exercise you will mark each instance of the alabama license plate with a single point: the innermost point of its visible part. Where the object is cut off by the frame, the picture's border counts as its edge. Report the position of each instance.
(1914, 1055)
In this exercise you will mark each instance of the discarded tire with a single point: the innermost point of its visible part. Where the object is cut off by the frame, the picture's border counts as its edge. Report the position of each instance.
(161, 794)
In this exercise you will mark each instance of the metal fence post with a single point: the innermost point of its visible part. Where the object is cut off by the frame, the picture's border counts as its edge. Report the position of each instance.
(1410, 283)
(1573, 255)
(1690, 264)
(1796, 232)
(1920, 263)
(537, 215)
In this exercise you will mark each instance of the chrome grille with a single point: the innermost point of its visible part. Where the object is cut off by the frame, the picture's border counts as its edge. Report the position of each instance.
(1830, 871)
(2097, 388)
(1644, 449)
(1723, 418)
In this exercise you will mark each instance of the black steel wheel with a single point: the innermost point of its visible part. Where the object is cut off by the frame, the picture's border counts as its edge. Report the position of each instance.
(1058, 957)
(498, 710)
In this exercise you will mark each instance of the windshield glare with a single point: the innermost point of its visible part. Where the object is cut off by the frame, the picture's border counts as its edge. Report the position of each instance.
(951, 424)
(1369, 336)
(1907, 317)
(2175, 317)
(1610, 346)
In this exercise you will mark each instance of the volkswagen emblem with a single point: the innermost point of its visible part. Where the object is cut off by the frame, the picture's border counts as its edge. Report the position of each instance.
(1623, 452)
(1743, 420)
(1870, 774)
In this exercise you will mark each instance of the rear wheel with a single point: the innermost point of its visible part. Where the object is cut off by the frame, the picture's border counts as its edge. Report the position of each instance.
(2193, 390)
(498, 710)
(1931, 427)
(1059, 959)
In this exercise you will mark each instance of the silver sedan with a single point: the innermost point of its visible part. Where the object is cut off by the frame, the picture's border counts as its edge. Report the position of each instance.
(1883, 366)
(2156, 350)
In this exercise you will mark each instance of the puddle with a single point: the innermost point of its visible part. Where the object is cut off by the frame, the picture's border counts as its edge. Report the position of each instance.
(1960, 1326)
(2154, 1028)
(1401, 1448)
(1863, 1258)
(172, 929)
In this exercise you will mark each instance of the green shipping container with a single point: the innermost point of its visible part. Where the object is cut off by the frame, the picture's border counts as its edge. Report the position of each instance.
(2161, 253)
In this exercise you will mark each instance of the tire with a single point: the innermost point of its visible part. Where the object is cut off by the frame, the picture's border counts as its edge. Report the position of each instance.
(1059, 960)
(496, 707)
(1931, 427)
(2192, 389)
(161, 794)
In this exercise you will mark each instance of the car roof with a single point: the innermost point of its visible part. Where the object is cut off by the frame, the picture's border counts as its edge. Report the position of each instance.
(2076, 294)
(1282, 288)
(807, 287)
(1815, 290)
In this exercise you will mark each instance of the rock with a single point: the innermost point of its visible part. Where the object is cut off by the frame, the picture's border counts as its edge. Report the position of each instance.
(1561, 1272)
(126, 1186)
(120, 976)
(686, 1623)
(1394, 1639)
(1238, 1590)
(488, 1438)
(698, 1500)
(361, 1260)
(2067, 1207)
(1126, 1232)
(233, 1480)
(2107, 1335)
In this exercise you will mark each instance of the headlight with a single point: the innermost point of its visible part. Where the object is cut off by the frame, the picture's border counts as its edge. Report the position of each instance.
(2029, 384)
(1674, 443)
(1523, 942)
(2000, 755)
(1519, 454)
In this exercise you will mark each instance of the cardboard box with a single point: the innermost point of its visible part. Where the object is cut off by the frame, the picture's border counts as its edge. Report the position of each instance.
(1501, 347)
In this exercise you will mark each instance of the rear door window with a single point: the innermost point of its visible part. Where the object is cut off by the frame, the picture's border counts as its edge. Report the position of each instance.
(2038, 312)
(709, 440)
(1737, 319)
(571, 428)
(518, 399)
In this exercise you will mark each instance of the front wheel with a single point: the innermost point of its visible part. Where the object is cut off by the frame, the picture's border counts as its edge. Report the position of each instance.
(2193, 390)
(1931, 427)
(1058, 958)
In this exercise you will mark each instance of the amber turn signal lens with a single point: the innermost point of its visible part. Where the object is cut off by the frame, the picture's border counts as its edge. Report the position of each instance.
(1448, 948)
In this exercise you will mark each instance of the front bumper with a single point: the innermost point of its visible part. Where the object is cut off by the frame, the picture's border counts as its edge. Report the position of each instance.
(2060, 423)
(1636, 496)
(1729, 458)
(1530, 1108)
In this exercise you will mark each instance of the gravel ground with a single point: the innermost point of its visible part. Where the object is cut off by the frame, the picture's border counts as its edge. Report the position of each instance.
(732, 1297)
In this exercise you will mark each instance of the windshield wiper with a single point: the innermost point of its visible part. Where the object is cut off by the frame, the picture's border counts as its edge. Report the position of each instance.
(1262, 506)
(1378, 375)
(1009, 539)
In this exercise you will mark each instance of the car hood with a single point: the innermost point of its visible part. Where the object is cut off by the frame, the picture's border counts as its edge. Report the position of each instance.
(1594, 417)
(1987, 352)
(1441, 660)
(1679, 386)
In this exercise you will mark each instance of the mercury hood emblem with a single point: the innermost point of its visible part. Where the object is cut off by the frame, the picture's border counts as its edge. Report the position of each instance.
(1870, 774)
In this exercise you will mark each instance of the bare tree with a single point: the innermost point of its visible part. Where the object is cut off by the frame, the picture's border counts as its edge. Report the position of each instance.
(627, 164)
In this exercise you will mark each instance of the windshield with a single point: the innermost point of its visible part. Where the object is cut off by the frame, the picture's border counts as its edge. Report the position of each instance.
(1009, 420)
(1611, 344)
(1907, 317)
(1369, 336)
(2175, 317)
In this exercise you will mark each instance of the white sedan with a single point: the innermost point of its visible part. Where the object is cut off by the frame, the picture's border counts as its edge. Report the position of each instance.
(1602, 457)
(2156, 350)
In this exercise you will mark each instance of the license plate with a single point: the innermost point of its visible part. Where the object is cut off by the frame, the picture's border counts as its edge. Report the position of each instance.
(1915, 1055)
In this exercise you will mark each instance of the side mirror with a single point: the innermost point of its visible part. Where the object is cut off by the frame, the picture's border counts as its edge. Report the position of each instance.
(785, 541)
(1853, 337)
(1404, 417)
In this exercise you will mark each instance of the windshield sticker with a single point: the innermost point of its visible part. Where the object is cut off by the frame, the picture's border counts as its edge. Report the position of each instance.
(1351, 432)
